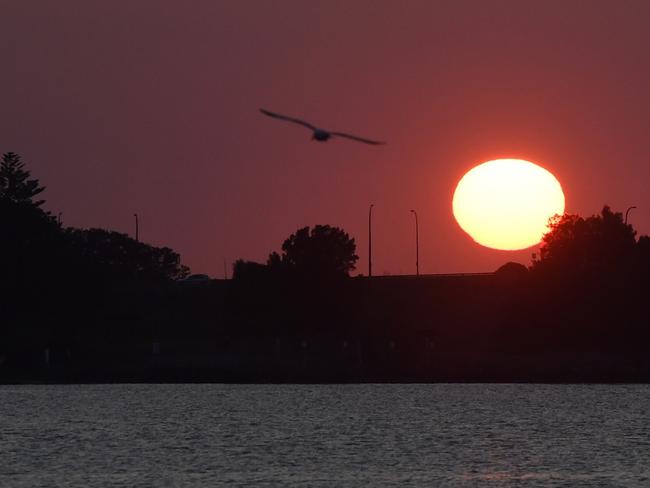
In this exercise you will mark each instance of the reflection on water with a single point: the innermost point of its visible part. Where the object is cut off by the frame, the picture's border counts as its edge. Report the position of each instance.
(324, 435)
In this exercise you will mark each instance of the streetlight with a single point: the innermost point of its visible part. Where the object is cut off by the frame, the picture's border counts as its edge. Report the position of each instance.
(370, 240)
(627, 212)
(137, 228)
(417, 245)
(59, 218)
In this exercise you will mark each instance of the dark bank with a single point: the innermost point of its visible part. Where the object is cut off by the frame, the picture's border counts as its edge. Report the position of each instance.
(91, 305)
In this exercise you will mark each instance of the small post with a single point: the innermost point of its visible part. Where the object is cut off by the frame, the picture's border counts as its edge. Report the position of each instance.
(417, 245)
(137, 228)
(370, 240)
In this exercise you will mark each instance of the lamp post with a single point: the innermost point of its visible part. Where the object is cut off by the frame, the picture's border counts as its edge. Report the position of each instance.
(627, 212)
(417, 245)
(58, 218)
(137, 228)
(370, 240)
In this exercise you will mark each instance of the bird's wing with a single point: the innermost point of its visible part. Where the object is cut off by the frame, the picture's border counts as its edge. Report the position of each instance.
(288, 119)
(355, 138)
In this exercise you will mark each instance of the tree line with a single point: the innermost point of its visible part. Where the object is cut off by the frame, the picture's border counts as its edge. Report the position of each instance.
(54, 278)
(99, 291)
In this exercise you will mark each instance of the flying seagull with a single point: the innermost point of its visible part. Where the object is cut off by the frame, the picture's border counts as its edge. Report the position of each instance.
(321, 135)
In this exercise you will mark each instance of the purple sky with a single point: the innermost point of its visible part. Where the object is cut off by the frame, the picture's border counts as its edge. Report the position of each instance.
(151, 106)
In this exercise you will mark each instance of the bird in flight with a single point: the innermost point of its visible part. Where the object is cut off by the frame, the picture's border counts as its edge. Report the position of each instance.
(321, 135)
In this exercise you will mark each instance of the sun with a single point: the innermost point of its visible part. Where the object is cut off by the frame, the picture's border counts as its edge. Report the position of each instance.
(506, 203)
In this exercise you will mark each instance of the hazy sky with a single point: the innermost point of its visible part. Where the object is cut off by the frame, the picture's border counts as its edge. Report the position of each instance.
(151, 106)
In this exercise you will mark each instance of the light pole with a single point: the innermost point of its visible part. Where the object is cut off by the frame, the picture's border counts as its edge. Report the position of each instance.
(627, 212)
(137, 228)
(370, 240)
(59, 218)
(417, 245)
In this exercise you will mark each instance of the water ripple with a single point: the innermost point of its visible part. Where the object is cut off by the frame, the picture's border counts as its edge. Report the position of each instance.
(324, 436)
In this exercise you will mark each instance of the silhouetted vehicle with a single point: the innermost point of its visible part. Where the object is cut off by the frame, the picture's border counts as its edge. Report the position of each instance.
(195, 279)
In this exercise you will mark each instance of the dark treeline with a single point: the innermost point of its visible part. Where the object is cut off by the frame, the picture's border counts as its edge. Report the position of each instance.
(95, 305)
(578, 313)
(54, 281)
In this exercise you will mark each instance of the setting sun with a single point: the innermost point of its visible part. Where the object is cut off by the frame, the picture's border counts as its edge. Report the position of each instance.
(506, 203)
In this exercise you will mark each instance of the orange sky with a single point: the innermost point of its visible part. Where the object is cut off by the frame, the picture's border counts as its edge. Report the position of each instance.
(152, 107)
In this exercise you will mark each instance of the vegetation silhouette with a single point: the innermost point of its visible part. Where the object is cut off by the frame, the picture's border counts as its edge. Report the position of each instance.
(300, 294)
(318, 252)
(53, 280)
(589, 285)
(96, 305)
(116, 256)
(15, 183)
(600, 245)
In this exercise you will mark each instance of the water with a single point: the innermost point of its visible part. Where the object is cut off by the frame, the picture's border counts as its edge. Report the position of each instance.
(324, 436)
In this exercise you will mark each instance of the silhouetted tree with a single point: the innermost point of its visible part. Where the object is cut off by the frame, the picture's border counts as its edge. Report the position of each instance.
(115, 256)
(31, 261)
(15, 183)
(58, 286)
(600, 244)
(320, 251)
(588, 285)
(29, 237)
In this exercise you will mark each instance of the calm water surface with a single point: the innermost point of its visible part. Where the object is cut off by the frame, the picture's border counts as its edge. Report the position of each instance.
(324, 436)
